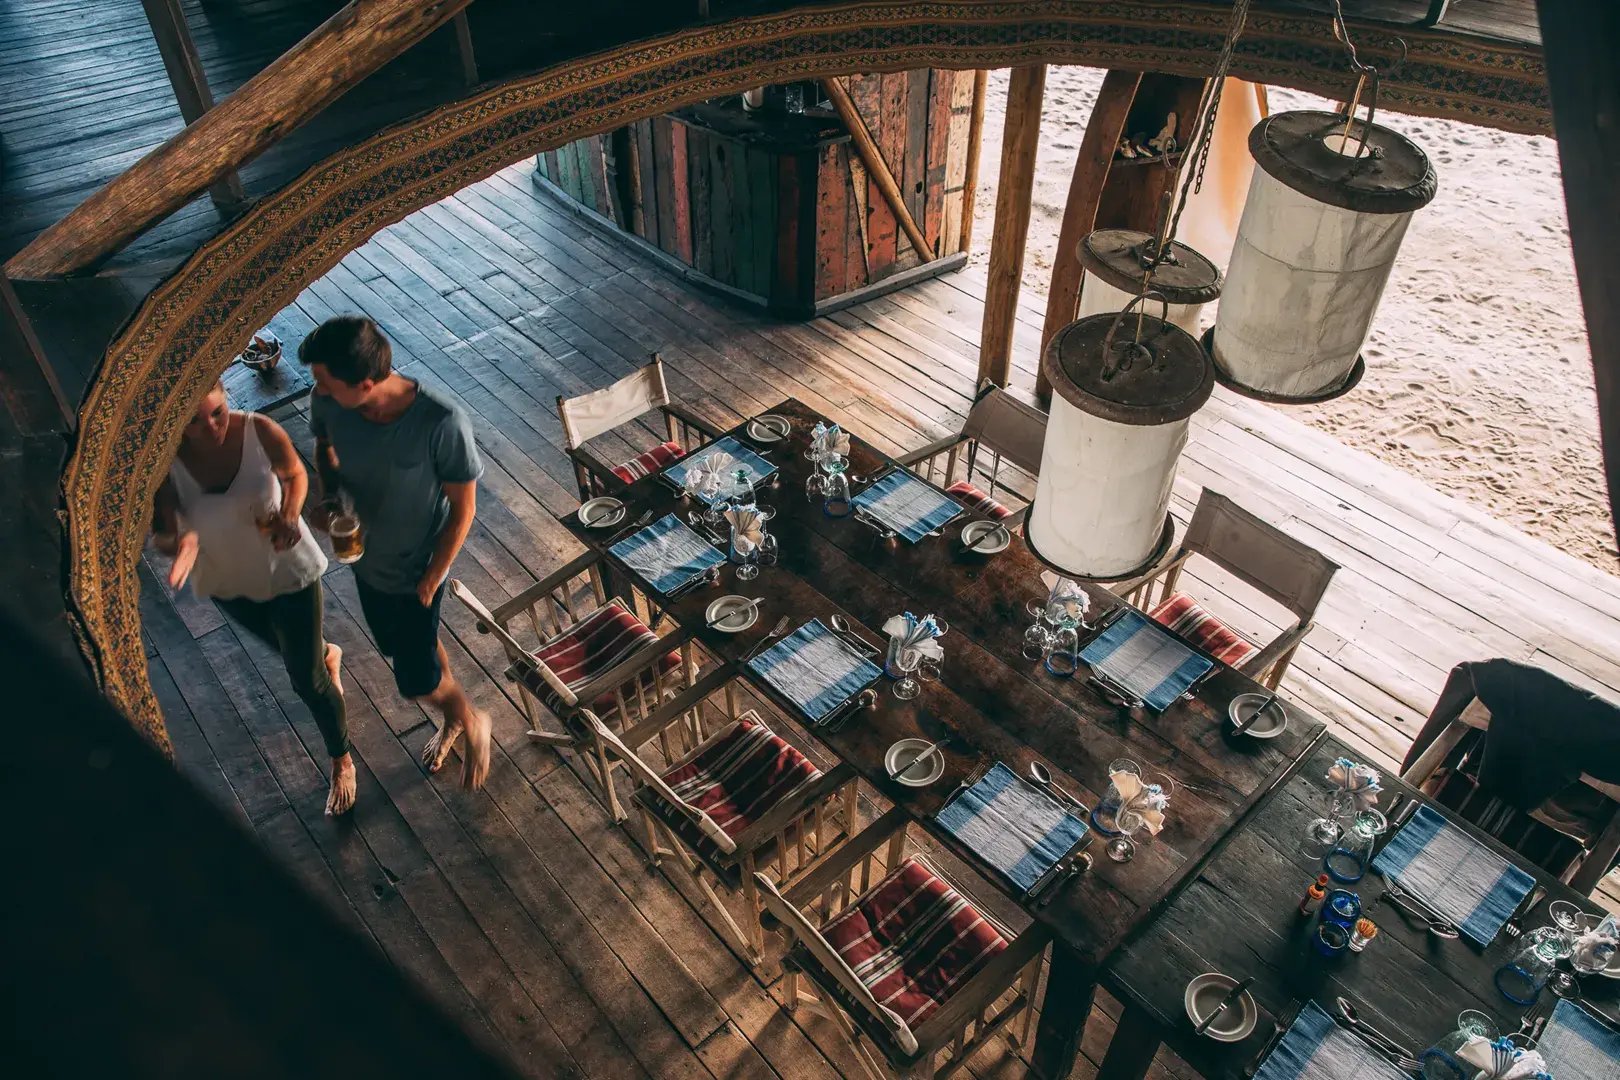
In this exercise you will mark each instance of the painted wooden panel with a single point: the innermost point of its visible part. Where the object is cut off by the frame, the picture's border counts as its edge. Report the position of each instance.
(698, 181)
(649, 179)
(666, 192)
(833, 251)
(680, 201)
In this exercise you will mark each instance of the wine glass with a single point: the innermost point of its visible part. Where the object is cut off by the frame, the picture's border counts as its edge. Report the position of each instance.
(1102, 818)
(1567, 916)
(931, 668)
(906, 663)
(1323, 832)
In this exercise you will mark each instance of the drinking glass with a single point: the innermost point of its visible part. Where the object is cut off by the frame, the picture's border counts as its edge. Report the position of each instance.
(348, 542)
(747, 564)
(1520, 979)
(905, 664)
(1128, 820)
(769, 550)
(1102, 818)
(931, 668)
(1037, 641)
(1568, 916)
(1323, 833)
(1331, 939)
(1349, 859)
(837, 497)
(1440, 1060)
(1595, 954)
(1063, 650)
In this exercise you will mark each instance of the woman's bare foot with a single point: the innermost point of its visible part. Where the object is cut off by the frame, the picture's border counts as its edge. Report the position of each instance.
(475, 762)
(334, 666)
(437, 750)
(340, 800)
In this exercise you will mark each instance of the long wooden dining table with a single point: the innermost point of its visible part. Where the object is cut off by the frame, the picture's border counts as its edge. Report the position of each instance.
(991, 702)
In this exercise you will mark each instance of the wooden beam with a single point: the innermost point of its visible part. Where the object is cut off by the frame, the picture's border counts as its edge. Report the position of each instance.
(190, 82)
(359, 39)
(975, 137)
(464, 49)
(1091, 166)
(1019, 141)
(29, 388)
(872, 158)
(1578, 40)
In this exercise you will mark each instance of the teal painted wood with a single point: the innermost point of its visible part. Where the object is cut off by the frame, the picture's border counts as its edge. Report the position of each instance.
(720, 212)
(768, 232)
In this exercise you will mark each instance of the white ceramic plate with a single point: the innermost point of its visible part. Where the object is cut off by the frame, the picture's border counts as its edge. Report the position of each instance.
(769, 428)
(1269, 726)
(904, 752)
(1205, 994)
(601, 513)
(974, 530)
(730, 615)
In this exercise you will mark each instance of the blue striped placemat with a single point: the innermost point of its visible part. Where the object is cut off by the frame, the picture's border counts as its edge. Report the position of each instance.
(667, 553)
(741, 456)
(1013, 825)
(1460, 878)
(1316, 1048)
(1578, 1044)
(911, 506)
(1145, 659)
(815, 669)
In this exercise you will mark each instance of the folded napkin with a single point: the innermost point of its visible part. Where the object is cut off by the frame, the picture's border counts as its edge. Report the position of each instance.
(1065, 593)
(706, 472)
(829, 439)
(667, 554)
(1316, 1048)
(1501, 1060)
(1594, 949)
(1359, 780)
(919, 635)
(815, 669)
(1016, 827)
(1147, 800)
(1144, 659)
(747, 529)
(1579, 1046)
(1456, 875)
(910, 506)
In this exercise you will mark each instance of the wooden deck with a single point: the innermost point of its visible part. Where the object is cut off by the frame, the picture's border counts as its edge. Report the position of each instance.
(520, 908)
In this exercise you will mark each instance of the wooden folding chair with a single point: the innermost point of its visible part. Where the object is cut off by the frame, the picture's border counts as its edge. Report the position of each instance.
(1261, 556)
(592, 649)
(901, 991)
(1573, 837)
(600, 411)
(1002, 426)
(739, 806)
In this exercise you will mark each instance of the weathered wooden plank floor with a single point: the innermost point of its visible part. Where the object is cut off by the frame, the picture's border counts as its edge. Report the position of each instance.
(519, 907)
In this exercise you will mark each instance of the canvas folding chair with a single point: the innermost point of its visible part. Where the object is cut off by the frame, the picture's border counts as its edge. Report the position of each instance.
(1574, 835)
(999, 427)
(592, 650)
(589, 415)
(1262, 557)
(739, 806)
(899, 958)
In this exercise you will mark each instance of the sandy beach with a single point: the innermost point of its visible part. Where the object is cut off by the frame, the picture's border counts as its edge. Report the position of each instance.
(1479, 380)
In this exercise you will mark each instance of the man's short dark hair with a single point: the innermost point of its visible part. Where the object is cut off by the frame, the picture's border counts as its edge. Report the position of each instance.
(351, 348)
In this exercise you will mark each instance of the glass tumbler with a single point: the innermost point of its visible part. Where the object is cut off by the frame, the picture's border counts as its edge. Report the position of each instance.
(1323, 833)
(1520, 979)
(1440, 1060)
(837, 499)
(1349, 859)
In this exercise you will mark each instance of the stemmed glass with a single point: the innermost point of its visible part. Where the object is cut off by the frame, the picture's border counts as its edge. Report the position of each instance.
(1102, 818)
(1440, 1060)
(905, 664)
(1128, 819)
(817, 483)
(1350, 857)
(1323, 833)
(1568, 916)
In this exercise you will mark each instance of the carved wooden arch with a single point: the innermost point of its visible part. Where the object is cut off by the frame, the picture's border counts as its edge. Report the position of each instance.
(179, 341)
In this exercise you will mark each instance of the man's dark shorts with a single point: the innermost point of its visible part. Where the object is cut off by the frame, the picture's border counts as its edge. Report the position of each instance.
(408, 634)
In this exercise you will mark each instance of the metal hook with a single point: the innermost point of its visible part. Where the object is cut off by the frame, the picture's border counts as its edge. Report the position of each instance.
(1136, 348)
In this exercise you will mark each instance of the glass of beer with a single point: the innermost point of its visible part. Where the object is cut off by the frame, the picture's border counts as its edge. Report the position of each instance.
(348, 543)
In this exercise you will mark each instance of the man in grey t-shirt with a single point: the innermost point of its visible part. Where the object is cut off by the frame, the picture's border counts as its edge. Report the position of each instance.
(407, 460)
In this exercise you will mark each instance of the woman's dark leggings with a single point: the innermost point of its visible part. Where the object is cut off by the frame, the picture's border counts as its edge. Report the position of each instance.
(292, 624)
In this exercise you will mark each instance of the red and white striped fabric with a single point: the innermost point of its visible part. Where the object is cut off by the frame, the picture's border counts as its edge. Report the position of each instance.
(1198, 626)
(737, 779)
(605, 637)
(974, 498)
(649, 461)
(913, 941)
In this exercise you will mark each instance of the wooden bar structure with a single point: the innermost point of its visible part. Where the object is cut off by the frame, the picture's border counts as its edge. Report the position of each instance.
(785, 210)
(596, 196)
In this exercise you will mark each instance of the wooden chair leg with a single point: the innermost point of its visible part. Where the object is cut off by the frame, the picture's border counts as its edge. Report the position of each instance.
(606, 769)
(650, 826)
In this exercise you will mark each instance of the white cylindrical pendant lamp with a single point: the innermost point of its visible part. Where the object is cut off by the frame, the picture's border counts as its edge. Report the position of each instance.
(1315, 247)
(1115, 260)
(1120, 405)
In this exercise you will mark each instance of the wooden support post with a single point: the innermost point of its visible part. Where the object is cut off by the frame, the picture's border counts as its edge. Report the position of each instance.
(29, 390)
(975, 137)
(1578, 42)
(336, 55)
(1091, 166)
(1019, 141)
(872, 158)
(464, 49)
(190, 82)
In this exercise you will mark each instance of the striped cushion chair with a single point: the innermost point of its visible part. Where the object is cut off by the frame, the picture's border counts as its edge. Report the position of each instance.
(976, 499)
(606, 637)
(1204, 630)
(648, 462)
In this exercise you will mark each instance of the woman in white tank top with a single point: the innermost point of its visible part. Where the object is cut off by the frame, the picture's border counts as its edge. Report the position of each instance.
(229, 515)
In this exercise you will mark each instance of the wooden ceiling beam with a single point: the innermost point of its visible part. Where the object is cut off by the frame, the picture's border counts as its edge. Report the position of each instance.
(337, 55)
(190, 82)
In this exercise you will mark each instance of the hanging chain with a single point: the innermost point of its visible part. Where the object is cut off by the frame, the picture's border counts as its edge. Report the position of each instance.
(1365, 74)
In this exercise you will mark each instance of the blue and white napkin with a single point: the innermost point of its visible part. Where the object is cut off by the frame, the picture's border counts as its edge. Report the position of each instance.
(667, 553)
(723, 456)
(815, 669)
(1577, 1044)
(1013, 825)
(1471, 886)
(1138, 655)
(1316, 1048)
(910, 506)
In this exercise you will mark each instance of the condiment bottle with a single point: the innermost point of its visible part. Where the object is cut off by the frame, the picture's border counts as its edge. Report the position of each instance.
(1311, 903)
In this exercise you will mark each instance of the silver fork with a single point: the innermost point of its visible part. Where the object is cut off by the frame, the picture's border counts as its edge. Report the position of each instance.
(1515, 926)
(776, 631)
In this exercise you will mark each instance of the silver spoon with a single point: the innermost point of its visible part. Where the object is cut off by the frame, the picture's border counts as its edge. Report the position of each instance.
(1404, 1058)
(1409, 904)
(842, 626)
(1042, 776)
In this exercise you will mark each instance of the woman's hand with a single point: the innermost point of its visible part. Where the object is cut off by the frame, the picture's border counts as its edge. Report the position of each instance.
(185, 557)
(284, 534)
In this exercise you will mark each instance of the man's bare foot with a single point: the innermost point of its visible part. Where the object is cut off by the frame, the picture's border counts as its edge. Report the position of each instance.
(340, 800)
(440, 743)
(475, 762)
(334, 666)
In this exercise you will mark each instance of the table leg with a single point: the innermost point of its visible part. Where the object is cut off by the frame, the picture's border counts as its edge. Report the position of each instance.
(1135, 1042)
(1070, 988)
